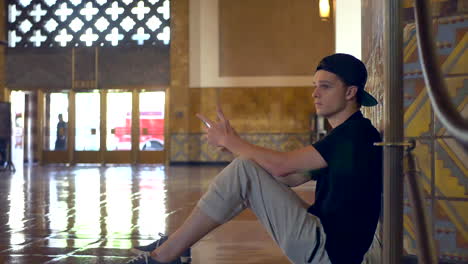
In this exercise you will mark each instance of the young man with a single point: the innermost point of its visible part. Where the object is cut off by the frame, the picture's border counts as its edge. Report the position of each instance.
(339, 227)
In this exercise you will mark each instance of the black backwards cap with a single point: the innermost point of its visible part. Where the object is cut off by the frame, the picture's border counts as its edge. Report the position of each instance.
(351, 71)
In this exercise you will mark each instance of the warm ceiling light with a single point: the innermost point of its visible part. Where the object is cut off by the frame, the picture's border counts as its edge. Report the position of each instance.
(324, 8)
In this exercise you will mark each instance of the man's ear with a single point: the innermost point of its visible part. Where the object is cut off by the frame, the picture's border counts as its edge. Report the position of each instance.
(351, 92)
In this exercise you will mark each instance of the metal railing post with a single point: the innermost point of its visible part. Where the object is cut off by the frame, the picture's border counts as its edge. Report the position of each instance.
(393, 115)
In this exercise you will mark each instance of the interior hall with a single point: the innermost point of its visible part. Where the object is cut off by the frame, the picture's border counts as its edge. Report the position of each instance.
(101, 148)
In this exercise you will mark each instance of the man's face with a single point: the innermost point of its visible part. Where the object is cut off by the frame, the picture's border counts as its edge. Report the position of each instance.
(329, 94)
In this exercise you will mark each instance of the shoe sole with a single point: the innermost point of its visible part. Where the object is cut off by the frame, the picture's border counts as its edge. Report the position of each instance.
(186, 260)
(137, 251)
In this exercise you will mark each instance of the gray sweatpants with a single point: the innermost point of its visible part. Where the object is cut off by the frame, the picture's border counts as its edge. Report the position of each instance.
(244, 184)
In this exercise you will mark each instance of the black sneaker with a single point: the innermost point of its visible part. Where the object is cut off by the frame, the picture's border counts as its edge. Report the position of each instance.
(185, 258)
(145, 258)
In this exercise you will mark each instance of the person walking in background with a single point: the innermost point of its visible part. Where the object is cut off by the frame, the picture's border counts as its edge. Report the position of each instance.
(61, 141)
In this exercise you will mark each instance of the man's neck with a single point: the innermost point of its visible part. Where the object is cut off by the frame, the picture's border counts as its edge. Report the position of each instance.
(342, 116)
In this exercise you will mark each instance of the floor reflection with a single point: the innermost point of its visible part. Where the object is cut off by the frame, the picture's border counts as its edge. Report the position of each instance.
(93, 214)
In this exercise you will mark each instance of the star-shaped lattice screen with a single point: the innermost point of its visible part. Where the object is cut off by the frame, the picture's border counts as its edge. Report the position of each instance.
(78, 23)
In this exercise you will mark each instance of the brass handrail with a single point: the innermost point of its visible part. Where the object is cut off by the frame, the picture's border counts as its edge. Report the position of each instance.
(436, 87)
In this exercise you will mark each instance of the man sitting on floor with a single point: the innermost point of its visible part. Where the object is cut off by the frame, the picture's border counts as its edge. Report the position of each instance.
(339, 227)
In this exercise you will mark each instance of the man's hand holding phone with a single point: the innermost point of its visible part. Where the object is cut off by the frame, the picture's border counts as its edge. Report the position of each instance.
(219, 132)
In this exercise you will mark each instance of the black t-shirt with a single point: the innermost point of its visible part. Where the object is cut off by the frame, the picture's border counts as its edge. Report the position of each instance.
(348, 192)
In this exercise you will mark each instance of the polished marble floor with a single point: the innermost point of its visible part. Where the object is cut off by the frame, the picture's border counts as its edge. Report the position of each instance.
(93, 214)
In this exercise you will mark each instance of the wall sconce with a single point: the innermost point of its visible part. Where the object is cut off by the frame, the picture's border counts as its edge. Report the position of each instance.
(324, 9)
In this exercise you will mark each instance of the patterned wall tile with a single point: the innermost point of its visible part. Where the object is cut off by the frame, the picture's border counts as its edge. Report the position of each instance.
(418, 110)
(442, 162)
(193, 147)
(179, 58)
(458, 90)
(450, 230)
(456, 64)
(179, 147)
(440, 8)
(409, 232)
(453, 60)
(373, 56)
(255, 110)
(451, 169)
(423, 157)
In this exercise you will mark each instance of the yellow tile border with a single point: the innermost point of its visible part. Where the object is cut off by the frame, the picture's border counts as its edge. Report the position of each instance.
(453, 56)
(453, 156)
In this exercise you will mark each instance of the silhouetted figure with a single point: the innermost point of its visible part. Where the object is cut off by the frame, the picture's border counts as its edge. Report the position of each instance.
(61, 141)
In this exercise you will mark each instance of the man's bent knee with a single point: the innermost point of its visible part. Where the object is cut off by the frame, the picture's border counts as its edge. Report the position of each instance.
(242, 159)
(246, 163)
(250, 168)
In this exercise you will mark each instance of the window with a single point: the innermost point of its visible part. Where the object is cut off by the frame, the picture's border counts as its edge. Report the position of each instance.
(78, 23)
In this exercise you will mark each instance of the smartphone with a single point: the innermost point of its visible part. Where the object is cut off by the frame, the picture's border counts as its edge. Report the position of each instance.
(206, 123)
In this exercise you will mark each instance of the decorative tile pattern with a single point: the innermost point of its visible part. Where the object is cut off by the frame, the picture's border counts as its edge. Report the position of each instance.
(442, 167)
(449, 233)
(451, 169)
(373, 57)
(193, 148)
(409, 231)
(442, 162)
(255, 109)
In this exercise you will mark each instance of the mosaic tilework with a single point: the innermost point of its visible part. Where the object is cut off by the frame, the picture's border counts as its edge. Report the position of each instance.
(373, 57)
(409, 228)
(193, 148)
(255, 109)
(179, 91)
(442, 162)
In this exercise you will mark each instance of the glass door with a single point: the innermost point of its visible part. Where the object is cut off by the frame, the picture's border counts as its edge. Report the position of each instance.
(118, 127)
(105, 126)
(55, 142)
(151, 130)
(87, 143)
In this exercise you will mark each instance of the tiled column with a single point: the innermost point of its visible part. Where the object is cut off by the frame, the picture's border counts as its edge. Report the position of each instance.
(179, 101)
(32, 127)
(373, 56)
